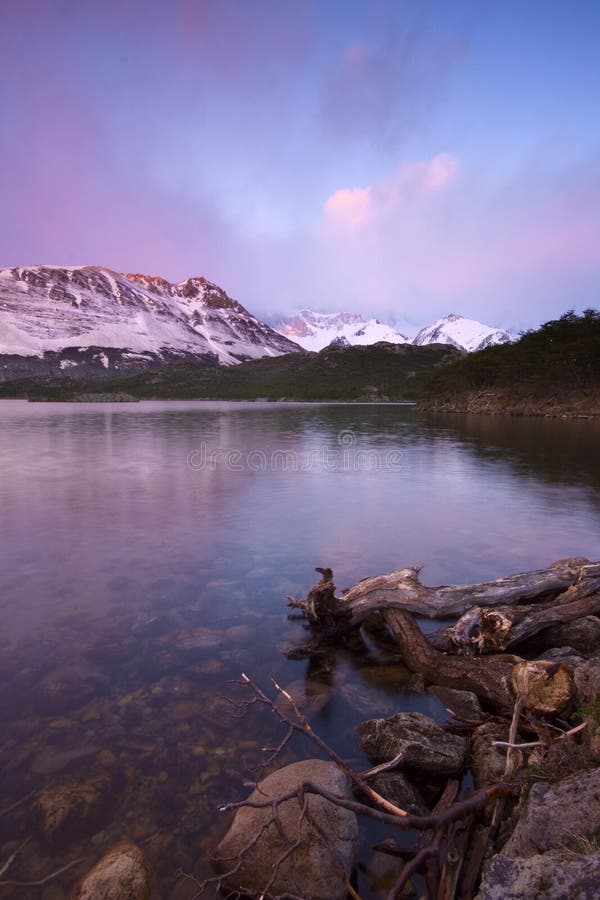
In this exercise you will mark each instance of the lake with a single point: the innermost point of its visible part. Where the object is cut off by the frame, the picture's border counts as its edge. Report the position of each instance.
(146, 553)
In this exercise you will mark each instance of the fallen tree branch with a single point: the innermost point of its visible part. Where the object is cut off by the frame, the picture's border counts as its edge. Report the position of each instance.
(489, 679)
(403, 590)
(484, 630)
(531, 744)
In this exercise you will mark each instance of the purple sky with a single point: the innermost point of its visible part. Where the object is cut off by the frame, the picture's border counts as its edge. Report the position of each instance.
(400, 159)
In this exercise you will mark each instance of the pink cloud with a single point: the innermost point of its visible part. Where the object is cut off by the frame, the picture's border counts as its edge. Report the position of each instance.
(436, 236)
(358, 207)
(348, 208)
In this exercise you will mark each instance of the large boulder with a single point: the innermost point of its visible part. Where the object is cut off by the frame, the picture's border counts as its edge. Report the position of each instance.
(75, 808)
(552, 876)
(311, 869)
(418, 742)
(123, 873)
(557, 815)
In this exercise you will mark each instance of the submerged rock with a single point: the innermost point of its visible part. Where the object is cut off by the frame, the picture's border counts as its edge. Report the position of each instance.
(311, 870)
(67, 687)
(311, 697)
(74, 808)
(396, 788)
(420, 743)
(552, 876)
(123, 873)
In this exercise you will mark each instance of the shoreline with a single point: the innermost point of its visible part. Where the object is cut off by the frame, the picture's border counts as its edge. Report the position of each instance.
(505, 402)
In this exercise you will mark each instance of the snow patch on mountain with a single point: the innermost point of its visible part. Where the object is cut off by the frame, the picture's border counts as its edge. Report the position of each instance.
(313, 330)
(48, 308)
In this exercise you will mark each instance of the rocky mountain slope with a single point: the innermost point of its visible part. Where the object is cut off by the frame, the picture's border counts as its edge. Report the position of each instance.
(56, 318)
(313, 331)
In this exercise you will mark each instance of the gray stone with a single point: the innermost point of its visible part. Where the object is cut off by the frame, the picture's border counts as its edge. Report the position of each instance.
(396, 788)
(123, 873)
(311, 870)
(567, 655)
(463, 704)
(552, 876)
(582, 634)
(487, 762)
(587, 681)
(556, 814)
(417, 740)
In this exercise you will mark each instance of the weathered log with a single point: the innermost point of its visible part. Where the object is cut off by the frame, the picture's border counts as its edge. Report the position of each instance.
(490, 678)
(403, 590)
(493, 630)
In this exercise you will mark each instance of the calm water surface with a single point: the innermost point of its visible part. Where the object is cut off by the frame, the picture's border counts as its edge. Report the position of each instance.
(146, 551)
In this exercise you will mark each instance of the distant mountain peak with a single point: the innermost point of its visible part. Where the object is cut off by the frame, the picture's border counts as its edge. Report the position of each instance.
(315, 330)
(462, 332)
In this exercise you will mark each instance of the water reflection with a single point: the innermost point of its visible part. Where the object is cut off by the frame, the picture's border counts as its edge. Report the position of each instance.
(134, 586)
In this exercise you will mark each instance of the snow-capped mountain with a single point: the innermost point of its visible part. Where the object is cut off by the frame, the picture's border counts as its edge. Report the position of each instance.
(466, 334)
(127, 319)
(313, 330)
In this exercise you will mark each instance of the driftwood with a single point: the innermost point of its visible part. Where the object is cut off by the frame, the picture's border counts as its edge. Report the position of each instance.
(403, 590)
(493, 618)
(489, 678)
(504, 627)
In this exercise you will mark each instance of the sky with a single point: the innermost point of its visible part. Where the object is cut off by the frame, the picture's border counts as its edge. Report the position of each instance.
(399, 159)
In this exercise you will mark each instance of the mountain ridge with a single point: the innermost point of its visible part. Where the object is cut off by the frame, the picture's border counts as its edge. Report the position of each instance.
(48, 310)
(313, 331)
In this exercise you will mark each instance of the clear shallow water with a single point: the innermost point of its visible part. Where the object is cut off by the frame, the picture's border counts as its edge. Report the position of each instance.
(146, 551)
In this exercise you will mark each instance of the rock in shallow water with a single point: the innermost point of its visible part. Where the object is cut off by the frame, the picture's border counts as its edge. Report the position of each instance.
(123, 873)
(463, 704)
(313, 872)
(74, 808)
(396, 788)
(419, 742)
